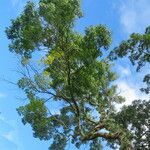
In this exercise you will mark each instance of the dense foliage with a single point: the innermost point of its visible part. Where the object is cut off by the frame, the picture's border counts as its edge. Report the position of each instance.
(72, 71)
(136, 118)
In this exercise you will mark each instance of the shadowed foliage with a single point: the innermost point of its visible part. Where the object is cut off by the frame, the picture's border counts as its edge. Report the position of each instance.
(136, 118)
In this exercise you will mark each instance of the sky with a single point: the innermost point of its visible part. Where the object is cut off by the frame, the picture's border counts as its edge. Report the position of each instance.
(123, 17)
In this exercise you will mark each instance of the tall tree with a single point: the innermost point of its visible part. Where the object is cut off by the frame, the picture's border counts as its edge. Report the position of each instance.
(137, 49)
(136, 118)
(74, 72)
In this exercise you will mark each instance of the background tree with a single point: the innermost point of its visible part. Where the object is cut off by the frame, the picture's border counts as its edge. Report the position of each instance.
(72, 71)
(136, 118)
(137, 49)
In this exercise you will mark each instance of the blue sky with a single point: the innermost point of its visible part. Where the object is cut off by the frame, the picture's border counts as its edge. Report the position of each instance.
(121, 16)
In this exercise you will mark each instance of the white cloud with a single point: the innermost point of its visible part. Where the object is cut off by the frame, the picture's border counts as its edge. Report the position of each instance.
(130, 93)
(127, 91)
(126, 71)
(134, 15)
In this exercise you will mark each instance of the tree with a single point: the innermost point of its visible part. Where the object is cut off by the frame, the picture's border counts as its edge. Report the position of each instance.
(137, 48)
(72, 71)
(136, 118)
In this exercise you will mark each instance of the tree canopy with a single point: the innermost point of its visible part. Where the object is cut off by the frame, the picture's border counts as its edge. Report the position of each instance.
(136, 118)
(137, 48)
(71, 71)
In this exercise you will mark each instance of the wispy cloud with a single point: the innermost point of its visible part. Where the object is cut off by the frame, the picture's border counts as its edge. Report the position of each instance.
(16, 3)
(19, 4)
(123, 71)
(9, 134)
(134, 15)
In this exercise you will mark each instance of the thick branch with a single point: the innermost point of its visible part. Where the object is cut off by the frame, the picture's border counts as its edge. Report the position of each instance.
(103, 135)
